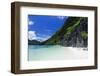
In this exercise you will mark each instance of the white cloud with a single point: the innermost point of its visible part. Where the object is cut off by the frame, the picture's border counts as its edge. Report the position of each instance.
(60, 17)
(31, 22)
(32, 35)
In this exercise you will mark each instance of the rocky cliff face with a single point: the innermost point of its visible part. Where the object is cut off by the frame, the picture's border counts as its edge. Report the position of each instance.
(73, 33)
(77, 38)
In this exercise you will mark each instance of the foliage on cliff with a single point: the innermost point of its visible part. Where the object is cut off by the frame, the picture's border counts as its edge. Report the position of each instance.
(73, 33)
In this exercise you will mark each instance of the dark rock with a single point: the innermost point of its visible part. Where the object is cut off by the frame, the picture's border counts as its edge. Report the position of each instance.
(75, 39)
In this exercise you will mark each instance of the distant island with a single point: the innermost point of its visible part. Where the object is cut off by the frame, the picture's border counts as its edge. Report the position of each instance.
(73, 33)
(34, 42)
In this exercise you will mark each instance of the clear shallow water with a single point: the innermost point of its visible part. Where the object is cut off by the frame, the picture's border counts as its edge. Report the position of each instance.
(55, 52)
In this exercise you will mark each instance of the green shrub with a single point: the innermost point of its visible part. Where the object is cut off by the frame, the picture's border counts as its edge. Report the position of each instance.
(84, 34)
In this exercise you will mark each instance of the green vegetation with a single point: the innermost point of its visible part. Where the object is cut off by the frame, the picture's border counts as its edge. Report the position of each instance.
(71, 25)
(84, 34)
(67, 29)
(72, 28)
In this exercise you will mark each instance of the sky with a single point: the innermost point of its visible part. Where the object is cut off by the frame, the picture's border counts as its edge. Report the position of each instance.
(42, 27)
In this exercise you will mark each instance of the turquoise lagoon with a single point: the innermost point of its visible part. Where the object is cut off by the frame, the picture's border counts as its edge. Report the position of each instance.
(55, 52)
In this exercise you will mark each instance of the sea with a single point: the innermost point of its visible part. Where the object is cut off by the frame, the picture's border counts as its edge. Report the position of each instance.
(55, 52)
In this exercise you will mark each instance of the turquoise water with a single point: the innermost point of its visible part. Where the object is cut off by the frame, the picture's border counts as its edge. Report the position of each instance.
(43, 52)
(54, 52)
